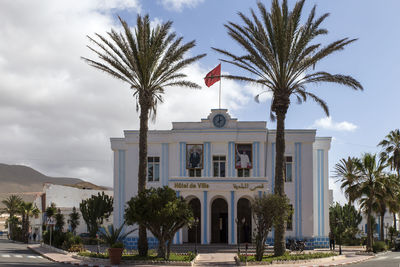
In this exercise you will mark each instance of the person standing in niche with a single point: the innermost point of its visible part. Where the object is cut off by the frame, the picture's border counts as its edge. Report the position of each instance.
(194, 159)
(243, 160)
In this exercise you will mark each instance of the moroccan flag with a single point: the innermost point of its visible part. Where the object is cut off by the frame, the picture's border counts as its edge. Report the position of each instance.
(213, 76)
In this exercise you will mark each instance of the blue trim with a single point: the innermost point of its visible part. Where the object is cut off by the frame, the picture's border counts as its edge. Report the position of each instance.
(231, 158)
(165, 164)
(322, 194)
(182, 159)
(300, 196)
(218, 180)
(232, 217)
(209, 159)
(121, 185)
(205, 217)
(177, 235)
(319, 159)
(259, 193)
(296, 208)
(273, 167)
(258, 159)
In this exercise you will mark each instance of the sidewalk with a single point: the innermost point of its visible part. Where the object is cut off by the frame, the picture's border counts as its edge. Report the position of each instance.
(205, 259)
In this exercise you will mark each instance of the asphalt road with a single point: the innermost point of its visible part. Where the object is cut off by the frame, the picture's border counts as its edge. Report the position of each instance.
(17, 254)
(390, 259)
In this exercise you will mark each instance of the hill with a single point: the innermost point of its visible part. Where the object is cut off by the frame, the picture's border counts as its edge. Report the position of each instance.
(23, 179)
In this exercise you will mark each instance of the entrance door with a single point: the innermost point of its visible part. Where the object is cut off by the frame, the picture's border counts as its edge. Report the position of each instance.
(244, 215)
(195, 205)
(219, 221)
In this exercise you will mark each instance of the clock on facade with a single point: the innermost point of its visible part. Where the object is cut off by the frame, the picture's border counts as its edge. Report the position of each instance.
(219, 120)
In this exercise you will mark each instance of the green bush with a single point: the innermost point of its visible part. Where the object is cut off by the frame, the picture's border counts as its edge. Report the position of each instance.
(117, 245)
(289, 257)
(76, 248)
(379, 246)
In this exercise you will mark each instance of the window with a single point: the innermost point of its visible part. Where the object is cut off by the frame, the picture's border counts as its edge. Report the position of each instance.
(289, 223)
(194, 172)
(243, 172)
(288, 168)
(219, 166)
(153, 169)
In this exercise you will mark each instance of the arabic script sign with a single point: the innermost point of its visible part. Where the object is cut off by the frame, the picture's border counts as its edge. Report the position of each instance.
(218, 186)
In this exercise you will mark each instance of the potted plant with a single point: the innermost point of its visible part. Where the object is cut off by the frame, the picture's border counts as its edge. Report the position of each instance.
(113, 238)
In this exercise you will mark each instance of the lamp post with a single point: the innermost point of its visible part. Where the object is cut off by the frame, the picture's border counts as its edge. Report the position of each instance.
(339, 225)
(238, 223)
(196, 223)
(386, 227)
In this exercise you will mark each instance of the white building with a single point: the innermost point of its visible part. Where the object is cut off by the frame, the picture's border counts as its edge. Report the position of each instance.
(65, 198)
(219, 164)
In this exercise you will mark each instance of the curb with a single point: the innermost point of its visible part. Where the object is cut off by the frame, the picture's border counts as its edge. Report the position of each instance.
(337, 264)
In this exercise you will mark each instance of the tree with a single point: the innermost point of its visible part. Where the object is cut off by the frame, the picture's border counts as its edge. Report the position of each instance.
(370, 188)
(281, 55)
(347, 173)
(12, 206)
(94, 210)
(112, 235)
(51, 210)
(27, 210)
(162, 212)
(266, 210)
(149, 60)
(73, 221)
(60, 221)
(343, 222)
(391, 153)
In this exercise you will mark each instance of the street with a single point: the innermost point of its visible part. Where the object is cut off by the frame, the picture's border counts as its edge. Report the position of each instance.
(17, 254)
(390, 259)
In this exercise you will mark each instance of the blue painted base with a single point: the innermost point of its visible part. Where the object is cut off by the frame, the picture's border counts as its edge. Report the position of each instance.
(132, 242)
(311, 243)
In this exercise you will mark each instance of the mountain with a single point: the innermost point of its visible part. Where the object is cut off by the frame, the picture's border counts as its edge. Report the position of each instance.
(23, 179)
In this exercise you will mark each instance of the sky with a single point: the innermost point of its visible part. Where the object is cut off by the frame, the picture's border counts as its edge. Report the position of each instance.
(57, 113)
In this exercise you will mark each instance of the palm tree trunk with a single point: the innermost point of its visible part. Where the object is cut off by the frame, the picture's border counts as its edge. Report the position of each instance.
(279, 236)
(144, 118)
(381, 228)
(369, 230)
(394, 221)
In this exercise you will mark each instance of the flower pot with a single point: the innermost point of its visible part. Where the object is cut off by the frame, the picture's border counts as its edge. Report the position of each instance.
(115, 255)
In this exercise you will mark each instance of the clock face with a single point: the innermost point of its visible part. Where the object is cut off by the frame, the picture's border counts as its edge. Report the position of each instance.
(219, 121)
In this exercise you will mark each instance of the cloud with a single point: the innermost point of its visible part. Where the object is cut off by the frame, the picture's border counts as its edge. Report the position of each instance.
(328, 124)
(178, 5)
(57, 114)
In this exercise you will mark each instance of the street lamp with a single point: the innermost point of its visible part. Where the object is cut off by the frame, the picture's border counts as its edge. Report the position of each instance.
(238, 223)
(196, 223)
(339, 226)
(386, 227)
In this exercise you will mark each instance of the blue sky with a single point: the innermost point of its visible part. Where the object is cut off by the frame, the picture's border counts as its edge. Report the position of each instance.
(58, 114)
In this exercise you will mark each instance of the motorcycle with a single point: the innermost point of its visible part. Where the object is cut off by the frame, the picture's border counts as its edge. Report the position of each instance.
(296, 245)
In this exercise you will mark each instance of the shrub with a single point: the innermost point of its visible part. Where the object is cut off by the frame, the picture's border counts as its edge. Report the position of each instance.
(379, 246)
(117, 245)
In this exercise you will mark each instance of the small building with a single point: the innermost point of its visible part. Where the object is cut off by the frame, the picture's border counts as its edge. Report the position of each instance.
(219, 164)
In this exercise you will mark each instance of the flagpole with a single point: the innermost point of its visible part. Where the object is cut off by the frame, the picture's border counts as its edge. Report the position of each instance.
(220, 79)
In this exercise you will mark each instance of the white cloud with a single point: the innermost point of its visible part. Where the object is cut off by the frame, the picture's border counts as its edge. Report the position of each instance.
(328, 124)
(178, 5)
(56, 112)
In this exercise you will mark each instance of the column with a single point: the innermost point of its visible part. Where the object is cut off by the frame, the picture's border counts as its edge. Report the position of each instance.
(231, 224)
(204, 217)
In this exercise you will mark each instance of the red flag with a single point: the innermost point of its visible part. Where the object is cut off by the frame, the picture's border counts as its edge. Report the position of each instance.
(213, 76)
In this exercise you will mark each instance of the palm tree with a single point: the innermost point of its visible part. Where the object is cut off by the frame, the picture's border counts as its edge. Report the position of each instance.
(27, 210)
(281, 55)
(347, 172)
(149, 60)
(391, 150)
(391, 153)
(370, 187)
(74, 220)
(12, 205)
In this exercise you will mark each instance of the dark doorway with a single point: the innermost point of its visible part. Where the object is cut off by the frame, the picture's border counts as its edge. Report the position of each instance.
(219, 221)
(244, 227)
(196, 208)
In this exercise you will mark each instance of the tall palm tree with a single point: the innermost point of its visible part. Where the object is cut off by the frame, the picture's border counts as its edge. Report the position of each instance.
(370, 188)
(27, 210)
(149, 60)
(391, 150)
(391, 153)
(347, 172)
(394, 202)
(281, 55)
(12, 205)
(384, 199)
